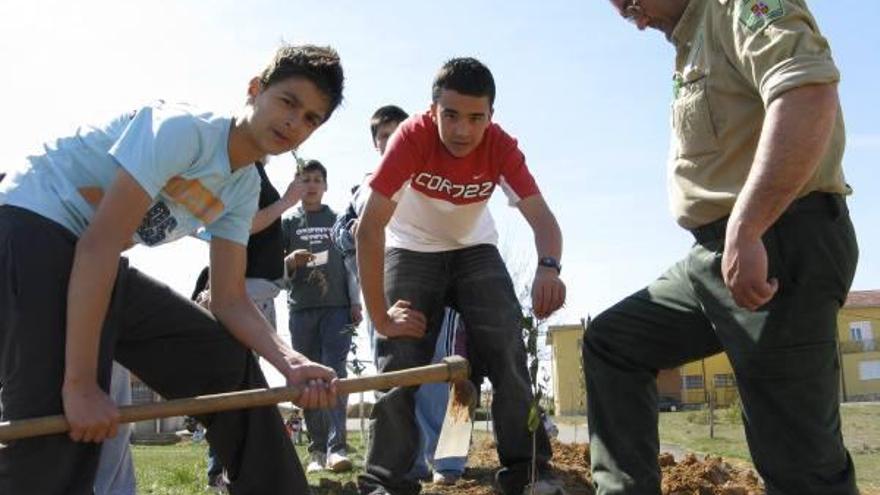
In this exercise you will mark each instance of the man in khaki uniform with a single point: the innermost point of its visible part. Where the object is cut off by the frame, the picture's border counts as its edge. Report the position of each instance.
(755, 175)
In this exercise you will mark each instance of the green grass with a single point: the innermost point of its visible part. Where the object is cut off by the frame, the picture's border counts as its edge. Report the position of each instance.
(170, 470)
(180, 469)
(861, 434)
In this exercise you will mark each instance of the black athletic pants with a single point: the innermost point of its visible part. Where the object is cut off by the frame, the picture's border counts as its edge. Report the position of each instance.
(171, 344)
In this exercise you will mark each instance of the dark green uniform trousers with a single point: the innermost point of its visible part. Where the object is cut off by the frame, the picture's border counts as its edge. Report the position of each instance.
(784, 356)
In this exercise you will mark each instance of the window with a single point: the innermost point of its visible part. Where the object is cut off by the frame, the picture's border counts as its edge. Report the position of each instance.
(861, 330)
(692, 381)
(724, 380)
(855, 333)
(141, 393)
(869, 370)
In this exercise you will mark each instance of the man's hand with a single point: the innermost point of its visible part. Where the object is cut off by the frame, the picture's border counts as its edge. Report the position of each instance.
(744, 268)
(294, 193)
(357, 314)
(92, 415)
(298, 259)
(403, 322)
(548, 292)
(805, 115)
(318, 382)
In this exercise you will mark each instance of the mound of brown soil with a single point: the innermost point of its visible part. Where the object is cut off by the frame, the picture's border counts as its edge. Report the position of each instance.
(691, 476)
(710, 476)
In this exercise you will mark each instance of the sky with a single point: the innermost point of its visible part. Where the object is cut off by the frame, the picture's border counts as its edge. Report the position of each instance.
(585, 93)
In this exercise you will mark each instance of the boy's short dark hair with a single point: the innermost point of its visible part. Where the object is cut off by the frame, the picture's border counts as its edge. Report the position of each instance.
(314, 165)
(201, 283)
(467, 76)
(318, 64)
(384, 115)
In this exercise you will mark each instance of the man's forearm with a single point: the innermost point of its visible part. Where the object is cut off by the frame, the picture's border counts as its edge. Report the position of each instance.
(548, 238)
(371, 267)
(269, 214)
(795, 136)
(243, 320)
(91, 283)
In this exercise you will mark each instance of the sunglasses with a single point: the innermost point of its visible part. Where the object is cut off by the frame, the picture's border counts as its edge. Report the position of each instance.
(632, 10)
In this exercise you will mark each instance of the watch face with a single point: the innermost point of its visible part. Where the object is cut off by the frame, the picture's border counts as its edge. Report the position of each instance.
(550, 262)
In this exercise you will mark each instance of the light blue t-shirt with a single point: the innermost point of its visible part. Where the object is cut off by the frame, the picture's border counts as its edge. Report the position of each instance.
(178, 154)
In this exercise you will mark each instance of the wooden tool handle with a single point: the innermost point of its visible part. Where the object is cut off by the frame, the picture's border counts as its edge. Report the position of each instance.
(452, 369)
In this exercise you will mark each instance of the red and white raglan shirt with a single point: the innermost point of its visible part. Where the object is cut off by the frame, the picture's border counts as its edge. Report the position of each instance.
(441, 199)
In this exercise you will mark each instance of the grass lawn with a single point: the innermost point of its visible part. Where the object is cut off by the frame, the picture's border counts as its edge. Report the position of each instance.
(180, 469)
(861, 434)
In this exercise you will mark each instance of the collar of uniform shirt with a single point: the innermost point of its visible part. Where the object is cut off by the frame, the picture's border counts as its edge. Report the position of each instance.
(690, 19)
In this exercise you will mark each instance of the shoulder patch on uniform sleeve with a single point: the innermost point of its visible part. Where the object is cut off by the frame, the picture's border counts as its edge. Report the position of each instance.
(756, 14)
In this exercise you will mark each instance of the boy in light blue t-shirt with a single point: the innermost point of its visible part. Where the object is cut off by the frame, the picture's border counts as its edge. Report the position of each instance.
(70, 305)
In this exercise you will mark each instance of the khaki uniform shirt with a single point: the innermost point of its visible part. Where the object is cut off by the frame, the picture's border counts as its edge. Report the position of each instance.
(733, 58)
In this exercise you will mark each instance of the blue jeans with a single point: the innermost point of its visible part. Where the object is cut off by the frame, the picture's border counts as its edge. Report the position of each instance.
(431, 401)
(215, 467)
(115, 473)
(320, 335)
(474, 282)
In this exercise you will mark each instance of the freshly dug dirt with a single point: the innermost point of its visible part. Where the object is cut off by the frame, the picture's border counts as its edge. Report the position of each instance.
(710, 476)
(691, 476)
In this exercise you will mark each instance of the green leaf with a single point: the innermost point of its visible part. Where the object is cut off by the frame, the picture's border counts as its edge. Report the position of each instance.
(300, 163)
(534, 418)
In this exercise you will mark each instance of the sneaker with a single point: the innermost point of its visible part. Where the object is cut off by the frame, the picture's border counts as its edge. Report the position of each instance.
(338, 462)
(446, 478)
(316, 462)
(217, 483)
(545, 486)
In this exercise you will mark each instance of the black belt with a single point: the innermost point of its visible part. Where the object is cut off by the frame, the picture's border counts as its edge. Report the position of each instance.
(815, 202)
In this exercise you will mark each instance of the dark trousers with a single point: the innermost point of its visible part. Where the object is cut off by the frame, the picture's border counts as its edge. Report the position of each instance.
(784, 356)
(175, 347)
(475, 282)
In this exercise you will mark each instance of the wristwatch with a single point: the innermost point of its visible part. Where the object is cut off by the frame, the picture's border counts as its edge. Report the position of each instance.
(550, 262)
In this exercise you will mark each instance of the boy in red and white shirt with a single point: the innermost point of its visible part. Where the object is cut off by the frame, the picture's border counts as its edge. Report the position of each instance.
(431, 191)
